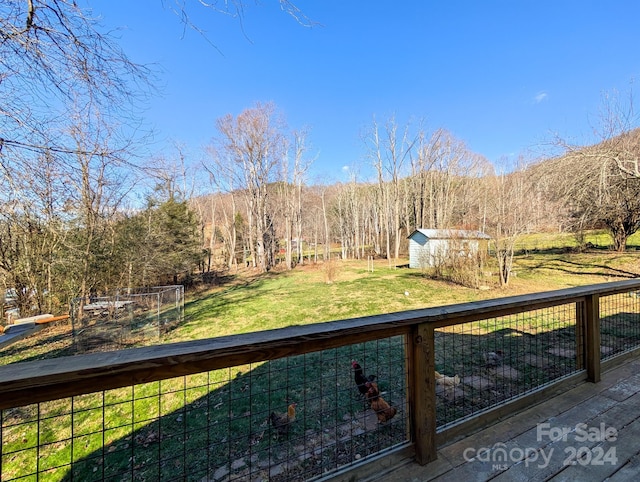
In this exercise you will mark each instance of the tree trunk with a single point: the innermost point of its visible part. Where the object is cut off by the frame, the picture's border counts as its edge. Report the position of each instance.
(503, 266)
(327, 238)
(619, 239)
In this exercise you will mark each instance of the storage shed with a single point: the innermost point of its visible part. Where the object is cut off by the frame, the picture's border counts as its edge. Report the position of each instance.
(430, 247)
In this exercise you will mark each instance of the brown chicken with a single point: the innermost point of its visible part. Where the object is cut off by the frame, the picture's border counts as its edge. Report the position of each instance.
(384, 411)
(281, 421)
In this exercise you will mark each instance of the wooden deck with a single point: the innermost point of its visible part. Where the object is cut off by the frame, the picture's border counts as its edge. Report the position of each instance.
(608, 439)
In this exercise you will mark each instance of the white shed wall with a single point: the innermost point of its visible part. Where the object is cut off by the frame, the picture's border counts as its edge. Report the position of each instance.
(425, 252)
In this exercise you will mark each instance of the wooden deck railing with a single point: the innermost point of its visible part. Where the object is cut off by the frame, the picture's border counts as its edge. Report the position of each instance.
(32, 382)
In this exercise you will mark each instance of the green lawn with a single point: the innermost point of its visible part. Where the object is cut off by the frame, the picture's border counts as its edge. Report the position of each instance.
(549, 241)
(302, 296)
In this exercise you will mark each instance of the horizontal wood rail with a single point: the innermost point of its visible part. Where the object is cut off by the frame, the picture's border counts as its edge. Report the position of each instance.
(43, 380)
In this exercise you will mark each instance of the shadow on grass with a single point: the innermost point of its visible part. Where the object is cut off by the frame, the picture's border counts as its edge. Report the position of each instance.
(220, 303)
(585, 269)
(50, 342)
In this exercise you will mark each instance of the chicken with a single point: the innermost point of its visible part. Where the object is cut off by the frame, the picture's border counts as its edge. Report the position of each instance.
(493, 358)
(446, 385)
(379, 405)
(446, 380)
(281, 421)
(360, 378)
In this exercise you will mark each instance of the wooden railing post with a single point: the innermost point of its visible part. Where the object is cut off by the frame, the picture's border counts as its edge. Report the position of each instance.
(423, 393)
(592, 338)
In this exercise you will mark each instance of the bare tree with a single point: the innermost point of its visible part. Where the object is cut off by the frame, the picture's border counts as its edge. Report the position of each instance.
(291, 197)
(66, 90)
(67, 202)
(390, 152)
(441, 171)
(605, 184)
(54, 57)
(54, 54)
(232, 8)
(68, 117)
(252, 146)
(598, 192)
(619, 133)
(509, 215)
(318, 200)
(95, 188)
(230, 213)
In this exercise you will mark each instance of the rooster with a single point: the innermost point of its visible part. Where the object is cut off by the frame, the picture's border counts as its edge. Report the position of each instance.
(384, 411)
(360, 378)
(281, 421)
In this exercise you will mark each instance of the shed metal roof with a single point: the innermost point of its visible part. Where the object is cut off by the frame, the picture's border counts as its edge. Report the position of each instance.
(451, 234)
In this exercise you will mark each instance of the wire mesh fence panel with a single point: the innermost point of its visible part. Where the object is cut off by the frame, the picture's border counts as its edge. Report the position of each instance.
(619, 323)
(293, 418)
(126, 318)
(482, 364)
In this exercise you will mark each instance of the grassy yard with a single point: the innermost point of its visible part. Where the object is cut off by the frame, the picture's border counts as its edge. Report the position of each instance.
(248, 302)
(301, 296)
(553, 241)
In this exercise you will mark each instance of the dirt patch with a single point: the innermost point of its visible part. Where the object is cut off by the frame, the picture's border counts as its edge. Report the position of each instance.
(563, 352)
(605, 350)
(51, 342)
(478, 383)
(450, 394)
(536, 361)
(505, 371)
(349, 441)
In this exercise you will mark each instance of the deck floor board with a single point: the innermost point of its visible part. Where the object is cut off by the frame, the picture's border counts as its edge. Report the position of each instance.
(602, 424)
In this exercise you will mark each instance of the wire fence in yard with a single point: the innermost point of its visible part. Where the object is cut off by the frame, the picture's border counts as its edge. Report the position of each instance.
(127, 318)
(619, 323)
(485, 363)
(231, 424)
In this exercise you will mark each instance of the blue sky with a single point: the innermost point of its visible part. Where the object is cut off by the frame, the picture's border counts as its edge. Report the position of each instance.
(500, 75)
